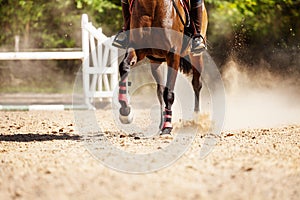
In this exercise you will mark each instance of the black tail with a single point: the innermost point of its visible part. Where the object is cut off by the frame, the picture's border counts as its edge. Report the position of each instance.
(185, 65)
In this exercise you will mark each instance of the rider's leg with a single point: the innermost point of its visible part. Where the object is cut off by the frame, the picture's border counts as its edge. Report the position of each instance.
(198, 43)
(121, 40)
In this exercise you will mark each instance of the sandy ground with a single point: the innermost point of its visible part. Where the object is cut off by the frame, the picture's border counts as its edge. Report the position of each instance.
(42, 156)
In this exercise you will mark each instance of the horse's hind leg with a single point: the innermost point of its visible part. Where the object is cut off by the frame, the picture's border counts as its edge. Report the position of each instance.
(126, 114)
(158, 76)
(168, 94)
(197, 62)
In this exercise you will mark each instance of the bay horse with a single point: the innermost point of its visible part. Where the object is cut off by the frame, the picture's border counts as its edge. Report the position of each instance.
(157, 32)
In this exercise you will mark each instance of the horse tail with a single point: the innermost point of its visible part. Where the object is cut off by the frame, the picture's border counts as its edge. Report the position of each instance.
(185, 65)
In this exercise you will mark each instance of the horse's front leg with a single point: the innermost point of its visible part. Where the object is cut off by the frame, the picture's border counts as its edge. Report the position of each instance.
(197, 63)
(126, 114)
(168, 94)
(157, 73)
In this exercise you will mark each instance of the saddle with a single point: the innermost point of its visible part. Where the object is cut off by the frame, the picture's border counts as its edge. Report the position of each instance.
(184, 3)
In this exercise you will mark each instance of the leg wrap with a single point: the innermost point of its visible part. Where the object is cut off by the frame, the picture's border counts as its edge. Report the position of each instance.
(168, 98)
(167, 119)
(123, 93)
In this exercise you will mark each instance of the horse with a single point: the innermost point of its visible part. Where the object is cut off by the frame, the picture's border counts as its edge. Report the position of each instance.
(165, 44)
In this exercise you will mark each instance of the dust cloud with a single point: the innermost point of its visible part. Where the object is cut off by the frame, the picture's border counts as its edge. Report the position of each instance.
(257, 98)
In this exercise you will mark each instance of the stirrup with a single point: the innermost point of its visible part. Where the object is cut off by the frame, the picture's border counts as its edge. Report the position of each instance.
(121, 40)
(198, 45)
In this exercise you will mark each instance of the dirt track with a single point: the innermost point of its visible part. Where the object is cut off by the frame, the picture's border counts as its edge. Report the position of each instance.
(42, 157)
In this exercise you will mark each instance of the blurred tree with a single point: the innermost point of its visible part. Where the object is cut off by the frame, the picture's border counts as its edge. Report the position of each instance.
(105, 13)
(248, 27)
(245, 28)
(39, 24)
(16, 18)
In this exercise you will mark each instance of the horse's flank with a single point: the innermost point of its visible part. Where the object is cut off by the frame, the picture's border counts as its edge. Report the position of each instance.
(157, 24)
(167, 31)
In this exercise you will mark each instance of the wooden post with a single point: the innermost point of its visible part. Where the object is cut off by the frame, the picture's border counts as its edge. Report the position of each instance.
(86, 60)
(17, 43)
(100, 62)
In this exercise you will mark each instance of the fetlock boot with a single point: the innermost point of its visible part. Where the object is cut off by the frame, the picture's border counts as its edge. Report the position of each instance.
(122, 38)
(198, 42)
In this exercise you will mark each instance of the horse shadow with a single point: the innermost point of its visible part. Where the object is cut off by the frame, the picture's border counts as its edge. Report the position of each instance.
(31, 137)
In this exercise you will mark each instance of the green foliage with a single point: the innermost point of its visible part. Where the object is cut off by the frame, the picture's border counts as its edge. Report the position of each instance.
(39, 24)
(54, 24)
(234, 25)
(255, 19)
(99, 6)
(105, 13)
(253, 29)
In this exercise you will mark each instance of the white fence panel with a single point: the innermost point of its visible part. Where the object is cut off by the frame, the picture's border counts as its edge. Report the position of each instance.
(99, 61)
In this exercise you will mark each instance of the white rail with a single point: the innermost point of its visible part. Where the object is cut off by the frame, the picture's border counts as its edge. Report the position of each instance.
(41, 55)
(99, 61)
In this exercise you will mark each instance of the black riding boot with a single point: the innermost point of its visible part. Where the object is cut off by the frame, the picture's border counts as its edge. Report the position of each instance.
(122, 38)
(198, 42)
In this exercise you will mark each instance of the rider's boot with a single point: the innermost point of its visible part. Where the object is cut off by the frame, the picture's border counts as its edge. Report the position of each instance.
(122, 38)
(198, 42)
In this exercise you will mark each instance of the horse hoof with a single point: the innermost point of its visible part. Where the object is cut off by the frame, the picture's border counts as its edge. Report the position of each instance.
(126, 115)
(166, 131)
